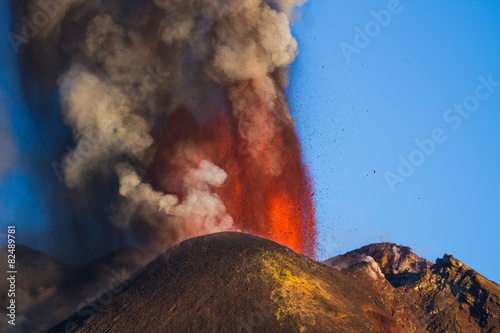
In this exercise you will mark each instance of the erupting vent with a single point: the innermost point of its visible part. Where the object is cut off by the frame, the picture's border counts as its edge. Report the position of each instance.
(180, 122)
(271, 198)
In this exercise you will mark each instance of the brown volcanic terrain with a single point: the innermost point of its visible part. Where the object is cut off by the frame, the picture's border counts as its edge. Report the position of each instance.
(398, 263)
(445, 297)
(233, 282)
(47, 291)
(39, 279)
(455, 298)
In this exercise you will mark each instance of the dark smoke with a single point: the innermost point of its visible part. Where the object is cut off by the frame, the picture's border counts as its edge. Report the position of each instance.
(121, 69)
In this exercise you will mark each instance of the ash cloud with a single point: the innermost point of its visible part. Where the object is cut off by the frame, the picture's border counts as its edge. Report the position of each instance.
(123, 67)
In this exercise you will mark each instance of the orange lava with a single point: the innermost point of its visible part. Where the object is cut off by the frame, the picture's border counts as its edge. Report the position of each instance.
(275, 205)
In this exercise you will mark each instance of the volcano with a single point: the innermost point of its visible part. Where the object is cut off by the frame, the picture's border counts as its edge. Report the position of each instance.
(177, 127)
(235, 282)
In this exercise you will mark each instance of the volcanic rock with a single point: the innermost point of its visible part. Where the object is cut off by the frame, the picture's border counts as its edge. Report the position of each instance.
(452, 297)
(48, 291)
(234, 282)
(398, 263)
(38, 279)
(445, 297)
(231, 282)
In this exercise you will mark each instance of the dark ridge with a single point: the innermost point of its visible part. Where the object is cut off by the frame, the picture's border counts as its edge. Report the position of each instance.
(49, 291)
(403, 279)
(231, 282)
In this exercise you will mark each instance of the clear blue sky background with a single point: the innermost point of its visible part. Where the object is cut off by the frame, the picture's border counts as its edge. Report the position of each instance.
(358, 117)
(354, 118)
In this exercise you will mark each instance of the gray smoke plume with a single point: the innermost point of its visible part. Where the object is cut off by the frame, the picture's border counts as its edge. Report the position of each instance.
(7, 147)
(123, 67)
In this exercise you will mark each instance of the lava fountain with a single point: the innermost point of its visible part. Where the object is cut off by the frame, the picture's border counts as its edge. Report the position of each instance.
(178, 110)
(268, 191)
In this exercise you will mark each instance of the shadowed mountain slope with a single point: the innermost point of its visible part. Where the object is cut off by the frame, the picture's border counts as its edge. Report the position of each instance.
(231, 282)
(234, 282)
(47, 291)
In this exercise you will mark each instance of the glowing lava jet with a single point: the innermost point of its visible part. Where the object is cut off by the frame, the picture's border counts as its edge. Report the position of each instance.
(268, 191)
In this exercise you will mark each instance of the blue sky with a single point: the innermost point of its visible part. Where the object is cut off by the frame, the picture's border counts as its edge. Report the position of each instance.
(355, 119)
(29, 185)
(357, 114)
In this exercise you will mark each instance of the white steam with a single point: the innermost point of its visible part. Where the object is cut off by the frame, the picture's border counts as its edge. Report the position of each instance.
(397, 258)
(343, 262)
(200, 212)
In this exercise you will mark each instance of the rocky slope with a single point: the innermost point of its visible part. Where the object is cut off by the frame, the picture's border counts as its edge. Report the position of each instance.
(39, 279)
(47, 291)
(445, 297)
(452, 297)
(231, 282)
(398, 263)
